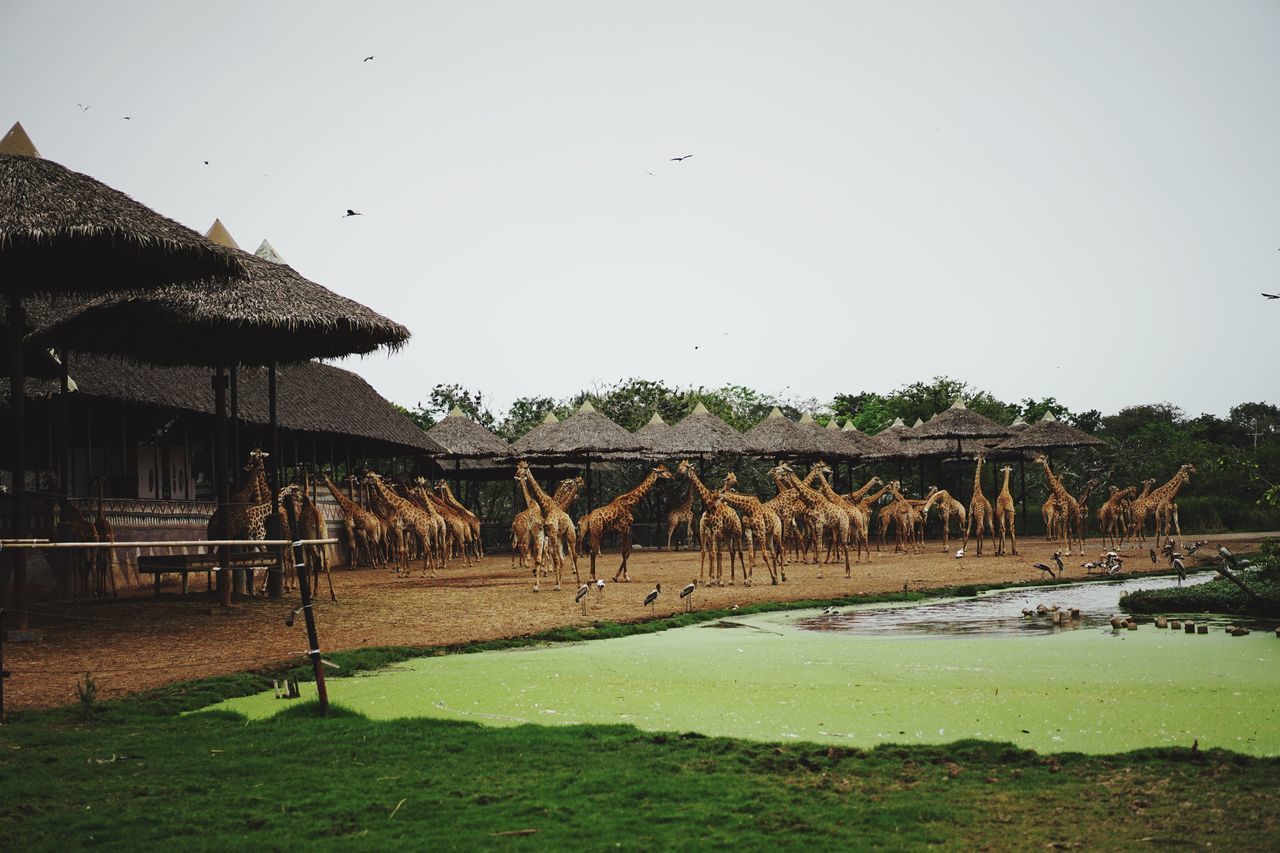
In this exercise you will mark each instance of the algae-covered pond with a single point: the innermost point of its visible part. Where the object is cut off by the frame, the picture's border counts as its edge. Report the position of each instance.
(773, 677)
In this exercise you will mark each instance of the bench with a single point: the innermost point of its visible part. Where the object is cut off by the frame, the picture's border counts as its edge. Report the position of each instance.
(183, 564)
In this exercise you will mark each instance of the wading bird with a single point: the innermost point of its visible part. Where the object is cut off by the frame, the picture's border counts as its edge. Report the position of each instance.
(687, 595)
(600, 591)
(581, 597)
(1045, 568)
(1226, 555)
(1180, 569)
(1153, 556)
(1057, 558)
(652, 597)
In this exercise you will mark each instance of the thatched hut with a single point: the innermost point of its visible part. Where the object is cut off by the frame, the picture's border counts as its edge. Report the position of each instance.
(702, 434)
(460, 437)
(778, 436)
(534, 437)
(584, 434)
(959, 421)
(1049, 433)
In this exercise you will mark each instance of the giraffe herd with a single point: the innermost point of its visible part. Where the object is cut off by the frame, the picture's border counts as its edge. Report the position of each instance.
(391, 523)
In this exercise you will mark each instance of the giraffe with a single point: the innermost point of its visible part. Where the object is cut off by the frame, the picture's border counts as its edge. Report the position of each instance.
(949, 508)
(616, 517)
(1049, 513)
(472, 520)
(764, 524)
(1111, 513)
(790, 510)
(719, 526)
(363, 527)
(558, 527)
(104, 564)
(827, 517)
(412, 518)
(1148, 504)
(682, 513)
(443, 525)
(312, 525)
(1081, 517)
(1067, 504)
(1167, 507)
(980, 511)
(1005, 515)
(526, 524)
(247, 514)
(904, 515)
(81, 530)
(858, 522)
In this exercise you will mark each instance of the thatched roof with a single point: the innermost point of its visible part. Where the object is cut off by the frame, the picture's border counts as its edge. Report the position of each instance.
(270, 314)
(653, 428)
(777, 435)
(700, 433)
(1018, 424)
(311, 397)
(584, 433)
(832, 442)
(1050, 432)
(960, 421)
(268, 252)
(861, 445)
(534, 436)
(462, 437)
(61, 231)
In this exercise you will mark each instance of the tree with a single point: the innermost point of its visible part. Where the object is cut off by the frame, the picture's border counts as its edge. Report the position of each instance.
(445, 397)
(418, 415)
(1034, 410)
(525, 414)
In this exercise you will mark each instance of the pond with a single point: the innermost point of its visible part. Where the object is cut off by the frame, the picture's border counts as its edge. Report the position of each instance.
(870, 676)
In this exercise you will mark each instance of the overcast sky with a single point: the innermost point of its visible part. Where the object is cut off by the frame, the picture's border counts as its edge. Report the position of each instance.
(1078, 199)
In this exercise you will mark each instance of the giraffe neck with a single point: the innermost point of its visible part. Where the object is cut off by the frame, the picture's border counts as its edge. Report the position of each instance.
(1059, 491)
(808, 495)
(884, 487)
(1146, 490)
(633, 497)
(1169, 490)
(686, 505)
(860, 493)
(1004, 489)
(737, 499)
(1085, 492)
(977, 476)
(544, 500)
(343, 501)
(825, 487)
(524, 489)
(703, 491)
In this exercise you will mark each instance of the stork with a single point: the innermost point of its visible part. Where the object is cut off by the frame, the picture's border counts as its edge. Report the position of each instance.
(1057, 558)
(599, 591)
(1181, 570)
(652, 597)
(581, 597)
(687, 595)
(1045, 568)
(1226, 555)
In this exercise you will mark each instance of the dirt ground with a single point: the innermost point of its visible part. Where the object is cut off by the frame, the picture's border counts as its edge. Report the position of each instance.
(143, 641)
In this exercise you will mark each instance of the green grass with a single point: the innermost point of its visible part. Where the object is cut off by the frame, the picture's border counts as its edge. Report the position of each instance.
(211, 781)
(1217, 596)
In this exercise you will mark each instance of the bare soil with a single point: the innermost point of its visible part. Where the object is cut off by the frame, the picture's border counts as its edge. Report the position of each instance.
(143, 641)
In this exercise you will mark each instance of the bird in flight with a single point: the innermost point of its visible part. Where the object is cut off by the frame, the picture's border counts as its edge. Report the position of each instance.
(366, 59)
(681, 159)
(125, 118)
(351, 212)
(84, 108)
(1272, 295)
(206, 162)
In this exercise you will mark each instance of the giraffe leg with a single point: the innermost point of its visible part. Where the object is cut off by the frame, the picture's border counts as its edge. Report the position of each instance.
(626, 553)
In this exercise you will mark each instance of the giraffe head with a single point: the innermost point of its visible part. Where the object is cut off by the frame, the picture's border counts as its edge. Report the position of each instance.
(782, 470)
(730, 481)
(1186, 471)
(661, 472)
(1006, 469)
(1039, 459)
(685, 468)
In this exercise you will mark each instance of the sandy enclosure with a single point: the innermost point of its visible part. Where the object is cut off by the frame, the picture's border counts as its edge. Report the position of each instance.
(145, 641)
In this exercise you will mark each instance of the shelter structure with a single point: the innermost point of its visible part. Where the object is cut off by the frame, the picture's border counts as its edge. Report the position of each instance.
(777, 436)
(652, 433)
(64, 232)
(701, 434)
(1046, 434)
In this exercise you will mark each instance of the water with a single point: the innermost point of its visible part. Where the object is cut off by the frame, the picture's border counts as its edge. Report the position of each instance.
(871, 676)
(999, 613)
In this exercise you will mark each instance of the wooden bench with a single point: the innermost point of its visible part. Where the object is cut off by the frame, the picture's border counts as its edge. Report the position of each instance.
(183, 564)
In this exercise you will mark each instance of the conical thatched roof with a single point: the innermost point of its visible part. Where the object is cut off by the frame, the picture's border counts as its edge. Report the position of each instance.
(219, 234)
(1018, 424)
(1049, 432)
(960, 421)
(831, 441)
(268, 252)
(778, 435)
(584, 433)
(654, 427)
(534, 436)
(462, 437)
(701, 433)
(61, 231)
(862, 445)
(270, 314)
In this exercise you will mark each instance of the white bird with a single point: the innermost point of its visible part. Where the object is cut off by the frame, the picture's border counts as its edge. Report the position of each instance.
(1089, 566)
(652, 596)
(600, 591)
(959, 553)
(1226, 555)
(1181, 569)
(687, 594)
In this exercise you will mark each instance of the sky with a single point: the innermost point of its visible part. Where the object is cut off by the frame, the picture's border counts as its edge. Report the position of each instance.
(1069, 199)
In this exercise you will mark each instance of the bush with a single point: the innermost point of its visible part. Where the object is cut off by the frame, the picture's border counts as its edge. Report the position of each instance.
(87, 694)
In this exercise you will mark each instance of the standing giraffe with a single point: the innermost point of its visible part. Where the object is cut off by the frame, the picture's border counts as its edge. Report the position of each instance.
(527, 525)
(763, 522)
(362, 527)
(104, 562)
(827, 517)
(857, 520)
(1081, 516)
(409, 517)
(1068, 508)
(311, 525)
(719, 526)
(680, 514)
(949, 508)
(1149, 504)
(1167, 507)
(1111, 513)
(473, 520)
(616, 517)
(558, 526)
(979, 509)
(1005, 515)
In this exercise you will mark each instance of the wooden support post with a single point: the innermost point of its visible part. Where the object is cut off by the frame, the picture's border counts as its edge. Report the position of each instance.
(304, 589)
(17, 319)
(275, 579)
(220, 477)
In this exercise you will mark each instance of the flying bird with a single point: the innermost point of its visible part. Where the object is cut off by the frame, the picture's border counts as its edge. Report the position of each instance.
(126, 118)
(366, 59)
(1268, 295)
(84, 108)
(681, 159)
(351, 212)
(206, 162)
